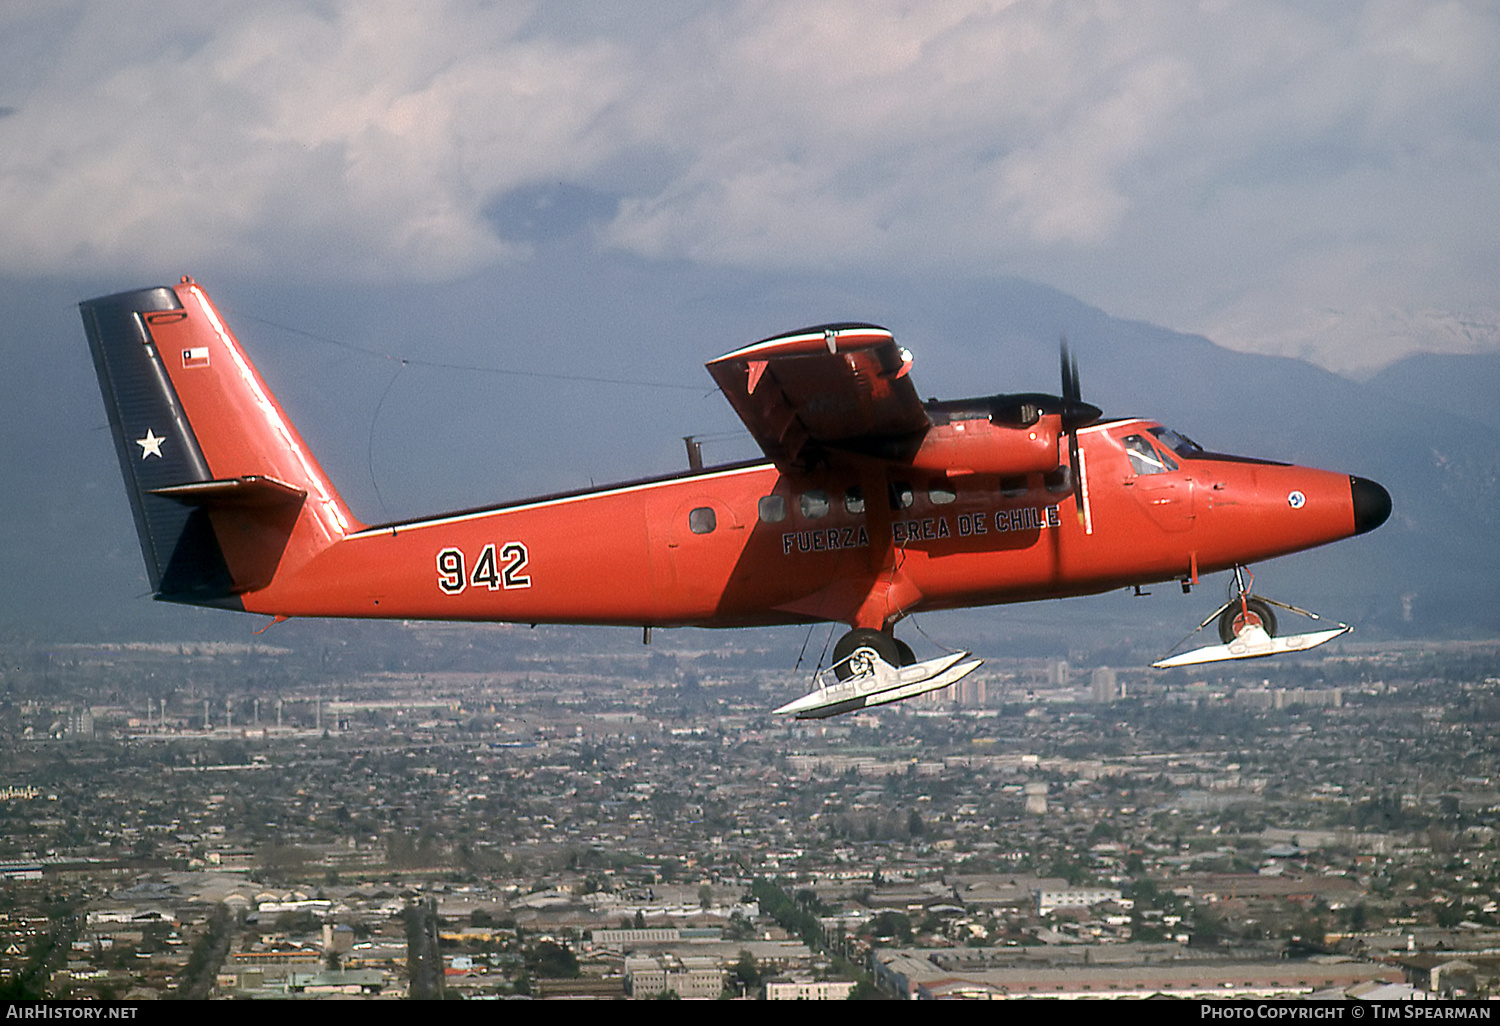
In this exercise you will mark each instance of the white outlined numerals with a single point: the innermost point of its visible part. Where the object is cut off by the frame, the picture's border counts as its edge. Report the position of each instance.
(505, 570)
(515, 557)
(450, 567)
(484, 570)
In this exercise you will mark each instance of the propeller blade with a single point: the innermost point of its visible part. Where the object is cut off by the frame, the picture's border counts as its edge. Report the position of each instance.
(1070, 386)
(1075, 414)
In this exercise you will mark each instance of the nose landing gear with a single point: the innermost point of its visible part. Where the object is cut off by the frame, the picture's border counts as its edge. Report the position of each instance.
(1241, 614)
(1248, 629)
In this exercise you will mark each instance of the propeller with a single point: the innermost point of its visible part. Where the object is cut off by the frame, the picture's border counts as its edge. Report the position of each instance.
(1075, 414)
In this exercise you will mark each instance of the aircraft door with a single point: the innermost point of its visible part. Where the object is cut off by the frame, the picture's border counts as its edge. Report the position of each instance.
(695, 552)
(1159, 484)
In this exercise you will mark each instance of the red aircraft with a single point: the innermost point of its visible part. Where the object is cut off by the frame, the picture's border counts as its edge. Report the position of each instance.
(870, 505)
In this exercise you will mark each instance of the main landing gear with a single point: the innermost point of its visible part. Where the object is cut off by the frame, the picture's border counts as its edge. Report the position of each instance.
(856, 652)
(1248, 629)
(873, 668)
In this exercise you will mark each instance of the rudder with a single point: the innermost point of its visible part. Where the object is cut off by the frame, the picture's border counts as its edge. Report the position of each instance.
(223, 489)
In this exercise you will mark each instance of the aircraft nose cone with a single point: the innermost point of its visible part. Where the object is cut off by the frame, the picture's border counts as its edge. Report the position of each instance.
(1372, 504)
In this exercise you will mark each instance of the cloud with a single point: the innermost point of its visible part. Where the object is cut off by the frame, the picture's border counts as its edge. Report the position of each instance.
(362, 136)
(1188, 164)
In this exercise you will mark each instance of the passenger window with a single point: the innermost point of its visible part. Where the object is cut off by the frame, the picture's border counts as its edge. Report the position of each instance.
(1147, 458)
(815, 504)
(1013, 487)
(702, 520)
(772, 509)
(854, 500)
(939, 493)
(902, 496)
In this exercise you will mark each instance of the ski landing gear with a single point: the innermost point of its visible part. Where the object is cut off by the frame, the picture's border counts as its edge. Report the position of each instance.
(872, 668)
(1248, 629)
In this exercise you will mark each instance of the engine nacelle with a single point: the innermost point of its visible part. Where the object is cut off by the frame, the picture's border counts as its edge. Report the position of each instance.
(979, 446)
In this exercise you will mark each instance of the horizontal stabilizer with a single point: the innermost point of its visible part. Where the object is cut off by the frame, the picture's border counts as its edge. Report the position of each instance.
(246, 492)
(1252, 644)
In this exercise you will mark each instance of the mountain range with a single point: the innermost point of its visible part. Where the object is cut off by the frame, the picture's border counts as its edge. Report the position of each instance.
(549, 377)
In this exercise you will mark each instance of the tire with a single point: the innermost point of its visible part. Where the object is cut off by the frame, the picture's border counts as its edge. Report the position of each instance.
(863, 644)
(904, 653)
(1234, 619)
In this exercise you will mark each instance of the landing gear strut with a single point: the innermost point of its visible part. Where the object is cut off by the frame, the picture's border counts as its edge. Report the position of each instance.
(1244, 612)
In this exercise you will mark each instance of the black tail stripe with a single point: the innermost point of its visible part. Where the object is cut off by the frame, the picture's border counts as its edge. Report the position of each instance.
(155, 445)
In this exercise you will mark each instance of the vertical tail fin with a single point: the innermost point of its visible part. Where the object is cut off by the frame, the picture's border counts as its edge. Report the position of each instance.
(223, 489)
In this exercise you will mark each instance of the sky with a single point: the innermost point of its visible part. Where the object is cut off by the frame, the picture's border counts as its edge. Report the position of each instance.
(1310, 179)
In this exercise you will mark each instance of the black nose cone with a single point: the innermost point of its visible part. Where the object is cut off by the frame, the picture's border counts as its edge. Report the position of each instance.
(1372, 504)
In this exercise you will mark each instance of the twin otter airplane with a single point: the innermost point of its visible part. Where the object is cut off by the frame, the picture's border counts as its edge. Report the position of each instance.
(870, 505)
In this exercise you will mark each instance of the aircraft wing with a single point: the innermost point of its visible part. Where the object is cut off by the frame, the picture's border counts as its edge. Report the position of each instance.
(811, 394)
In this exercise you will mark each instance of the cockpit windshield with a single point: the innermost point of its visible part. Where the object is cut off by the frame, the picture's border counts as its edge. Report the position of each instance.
(1182, 445)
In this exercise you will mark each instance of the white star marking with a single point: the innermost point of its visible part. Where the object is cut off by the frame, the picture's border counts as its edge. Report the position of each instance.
(150, 445)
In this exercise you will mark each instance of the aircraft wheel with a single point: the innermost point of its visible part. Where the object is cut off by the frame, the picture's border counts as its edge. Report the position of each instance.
(1234, 620)
(856, 651)
(904, 653)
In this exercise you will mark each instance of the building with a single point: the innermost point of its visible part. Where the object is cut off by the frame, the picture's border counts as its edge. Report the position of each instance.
(1105, 684)
(1225, 980)
(801, 988)
(1048, 900)
(691, 978)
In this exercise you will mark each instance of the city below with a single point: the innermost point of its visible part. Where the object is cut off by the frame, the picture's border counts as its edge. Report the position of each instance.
(394, 811)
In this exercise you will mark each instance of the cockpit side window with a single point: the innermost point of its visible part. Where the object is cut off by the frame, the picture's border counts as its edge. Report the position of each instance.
(1146, 458)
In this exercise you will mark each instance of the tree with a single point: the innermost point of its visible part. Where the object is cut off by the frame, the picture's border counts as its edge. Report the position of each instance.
(209, 952)
(894, 925)
(1208, 928)
(552, 961)
(745, 976)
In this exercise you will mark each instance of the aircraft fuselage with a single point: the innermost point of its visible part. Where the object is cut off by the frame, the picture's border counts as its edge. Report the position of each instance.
(748, 545)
